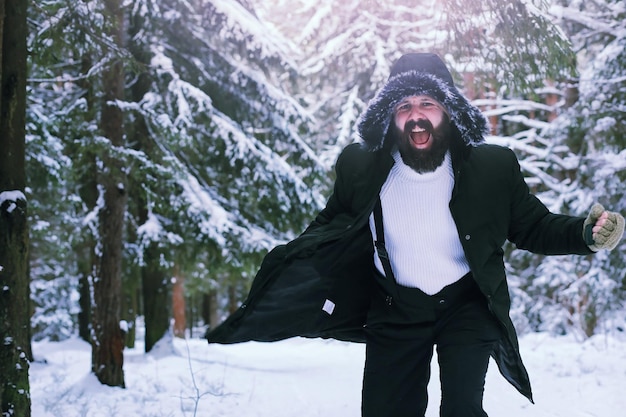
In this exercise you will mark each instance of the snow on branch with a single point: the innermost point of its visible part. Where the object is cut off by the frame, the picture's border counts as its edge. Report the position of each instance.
(241, 23)
(218, 223)
(508, 106)
(315, 22)
(350, 111)
(527, 121)
(582, 18)
(242, 146)
(609, 164)
(537, 158)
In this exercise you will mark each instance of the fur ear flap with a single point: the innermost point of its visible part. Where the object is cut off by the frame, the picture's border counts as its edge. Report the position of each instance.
(376, 119)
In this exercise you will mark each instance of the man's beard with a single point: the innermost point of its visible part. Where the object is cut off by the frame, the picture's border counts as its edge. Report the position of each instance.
(423, 160)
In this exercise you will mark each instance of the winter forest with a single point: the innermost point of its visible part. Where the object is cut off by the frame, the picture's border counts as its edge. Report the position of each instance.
(168, 145)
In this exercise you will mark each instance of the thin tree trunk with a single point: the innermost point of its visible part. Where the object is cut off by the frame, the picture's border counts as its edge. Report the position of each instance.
(191, 313)
(155, 279)
(205, 309)
(178, 304)
(155, 284)
(130, 303)
(87, 259)
(88, 191)
(214, 318)
(15, 348)
(108, 339)
(233, 300)
(131, 282)
(572, 94)
(84, 302)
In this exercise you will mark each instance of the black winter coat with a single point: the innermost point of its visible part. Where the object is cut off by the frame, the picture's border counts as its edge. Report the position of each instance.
(318, 285)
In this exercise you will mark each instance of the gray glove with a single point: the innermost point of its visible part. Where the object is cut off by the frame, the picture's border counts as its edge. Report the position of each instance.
(606, 235)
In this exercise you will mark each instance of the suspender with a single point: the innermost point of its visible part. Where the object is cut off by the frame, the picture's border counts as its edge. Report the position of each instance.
(380, 241)
(382, 251)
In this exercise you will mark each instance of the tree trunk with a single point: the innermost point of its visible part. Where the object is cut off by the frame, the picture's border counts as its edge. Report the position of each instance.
(178, 304)
(190, 313)
(205, 312)
(571, 93)
(233, 300)
(86, 253)
(15, 348)
(155, 284)
(84, 303)
(155, 279)
(130, 303)
(131, 283)
(108, 338)
(214, 317)
(88, 191)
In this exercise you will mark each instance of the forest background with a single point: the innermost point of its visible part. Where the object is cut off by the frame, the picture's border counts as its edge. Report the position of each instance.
(169, 144)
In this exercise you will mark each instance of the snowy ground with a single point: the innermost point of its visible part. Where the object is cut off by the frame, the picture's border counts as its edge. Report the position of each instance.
(306, 378)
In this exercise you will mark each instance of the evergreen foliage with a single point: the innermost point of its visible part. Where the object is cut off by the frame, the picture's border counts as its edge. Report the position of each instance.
(226, 169)
(235, 112)
(511, 43)
(586, 159)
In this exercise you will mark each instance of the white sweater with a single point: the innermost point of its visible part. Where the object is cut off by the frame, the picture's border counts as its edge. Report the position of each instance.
(420, 235)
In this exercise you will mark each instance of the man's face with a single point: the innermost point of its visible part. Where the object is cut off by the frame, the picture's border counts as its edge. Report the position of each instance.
(421, 132)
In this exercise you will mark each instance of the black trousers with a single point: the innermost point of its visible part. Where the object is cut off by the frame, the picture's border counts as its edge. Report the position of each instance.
(404, 325)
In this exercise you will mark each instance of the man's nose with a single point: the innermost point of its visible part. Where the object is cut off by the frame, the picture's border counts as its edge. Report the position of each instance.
(416, 116)
(416, 113)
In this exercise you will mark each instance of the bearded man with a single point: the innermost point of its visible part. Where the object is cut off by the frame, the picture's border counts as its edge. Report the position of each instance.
(407, 254)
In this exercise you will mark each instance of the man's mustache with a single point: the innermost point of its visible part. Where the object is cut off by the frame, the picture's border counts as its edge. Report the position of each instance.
(422, 123)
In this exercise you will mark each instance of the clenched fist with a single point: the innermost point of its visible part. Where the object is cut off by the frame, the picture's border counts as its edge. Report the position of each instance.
(602, 229)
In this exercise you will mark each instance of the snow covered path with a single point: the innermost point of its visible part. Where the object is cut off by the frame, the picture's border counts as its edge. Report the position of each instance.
(309, 378)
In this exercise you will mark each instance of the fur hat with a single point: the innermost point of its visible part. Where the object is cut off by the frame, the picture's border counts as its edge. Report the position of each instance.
(418, 74)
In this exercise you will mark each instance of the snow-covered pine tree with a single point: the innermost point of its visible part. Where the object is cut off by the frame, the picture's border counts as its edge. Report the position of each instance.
(219, 114)
(573, 294)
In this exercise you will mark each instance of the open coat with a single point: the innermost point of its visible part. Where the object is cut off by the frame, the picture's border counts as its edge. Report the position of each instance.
(319, 284)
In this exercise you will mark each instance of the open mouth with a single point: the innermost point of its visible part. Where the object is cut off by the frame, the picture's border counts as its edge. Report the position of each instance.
(419, 136)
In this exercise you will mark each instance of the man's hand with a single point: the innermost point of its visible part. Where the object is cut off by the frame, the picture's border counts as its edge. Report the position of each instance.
(602, 229)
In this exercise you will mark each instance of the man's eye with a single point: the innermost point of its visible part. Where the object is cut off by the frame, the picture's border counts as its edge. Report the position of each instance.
(427, 104)
(404, 107)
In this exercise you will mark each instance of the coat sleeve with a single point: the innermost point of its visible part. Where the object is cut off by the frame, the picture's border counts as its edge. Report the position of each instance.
(534, 228)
